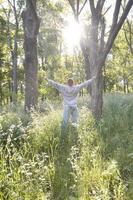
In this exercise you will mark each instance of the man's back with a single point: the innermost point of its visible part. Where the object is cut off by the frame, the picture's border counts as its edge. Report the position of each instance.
(70, 92)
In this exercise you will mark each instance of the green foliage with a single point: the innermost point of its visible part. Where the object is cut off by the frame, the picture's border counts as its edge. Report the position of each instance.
(45, 135)
(116, 131)
(118, 71)
(7, 39)
(91, 162)
(12, 129)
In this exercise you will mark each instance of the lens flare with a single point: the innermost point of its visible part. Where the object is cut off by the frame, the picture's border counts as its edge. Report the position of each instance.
(71, 34)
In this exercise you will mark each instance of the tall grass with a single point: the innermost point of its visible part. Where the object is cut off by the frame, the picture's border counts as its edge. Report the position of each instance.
(93, 162)
(116, 131)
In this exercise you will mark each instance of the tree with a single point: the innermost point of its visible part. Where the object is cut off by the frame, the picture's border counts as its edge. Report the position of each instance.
(31, 24)
(119, 69)
(2, 54)
(96, 49)
(5, 61)
(12, 14)
(49, 35)
(128, 31)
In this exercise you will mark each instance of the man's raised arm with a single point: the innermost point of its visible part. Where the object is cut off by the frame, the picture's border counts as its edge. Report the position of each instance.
(55, 85)
(86, 83)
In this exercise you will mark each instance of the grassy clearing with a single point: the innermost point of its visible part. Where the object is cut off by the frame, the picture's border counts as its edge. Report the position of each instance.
(92, 163)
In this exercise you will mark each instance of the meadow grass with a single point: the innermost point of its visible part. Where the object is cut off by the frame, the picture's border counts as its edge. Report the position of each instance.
(92, 162)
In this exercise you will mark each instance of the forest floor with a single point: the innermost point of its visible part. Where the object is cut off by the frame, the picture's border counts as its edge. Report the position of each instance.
(91, 162)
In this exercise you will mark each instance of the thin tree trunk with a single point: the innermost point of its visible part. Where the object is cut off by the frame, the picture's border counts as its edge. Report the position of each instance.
(10, 90)
(104, 79)
(13, 73)
(15, 56)
(85, 51)
(124, 86)
(31, 24)
(13, 45)
(14, 70)
(128, 87)
(42, 61)
(1, 94)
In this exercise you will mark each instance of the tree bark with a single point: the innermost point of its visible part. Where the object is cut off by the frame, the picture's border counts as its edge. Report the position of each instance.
(31, 23)
(1, 94)
(14, 69)
(97, 85)
(84, 49)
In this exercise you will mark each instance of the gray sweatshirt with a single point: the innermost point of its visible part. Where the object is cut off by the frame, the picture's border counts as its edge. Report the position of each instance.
(69, 93)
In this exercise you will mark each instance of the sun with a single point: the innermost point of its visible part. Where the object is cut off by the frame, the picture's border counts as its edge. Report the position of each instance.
(71, 34)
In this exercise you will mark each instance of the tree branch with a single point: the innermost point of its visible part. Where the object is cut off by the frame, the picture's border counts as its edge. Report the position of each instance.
(92, 7)
(72, 6)
(15, 14)
(99, 6)
(82, 7)
(106, 10)
(10, 3)
(76, 11)
(116, 13)
(102, 43)
(4, 10)
(20, 11)
(77, 7)
(116, 29)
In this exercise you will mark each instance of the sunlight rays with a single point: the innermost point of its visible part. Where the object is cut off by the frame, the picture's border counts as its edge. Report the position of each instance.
(71, 34)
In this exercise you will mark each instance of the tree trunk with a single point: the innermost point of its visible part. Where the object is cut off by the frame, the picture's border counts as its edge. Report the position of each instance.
(14, 69)
(31, 24)
(15, 56)
(1, 94)
(124, 85)
(97, 85)
(97, 96)
(84, 49)
(10, 90)
(104, 79)
(128, 87)
(13, 45)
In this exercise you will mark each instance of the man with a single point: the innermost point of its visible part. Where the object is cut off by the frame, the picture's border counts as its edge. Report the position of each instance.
(70, 92)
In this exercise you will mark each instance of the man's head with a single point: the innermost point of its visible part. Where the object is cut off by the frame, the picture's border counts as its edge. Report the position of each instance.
(70, 82)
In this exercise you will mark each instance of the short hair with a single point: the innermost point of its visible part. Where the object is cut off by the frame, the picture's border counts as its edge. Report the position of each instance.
(70, 79)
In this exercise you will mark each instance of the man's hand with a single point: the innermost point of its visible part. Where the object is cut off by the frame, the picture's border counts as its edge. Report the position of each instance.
(46, 79)
(94, 77)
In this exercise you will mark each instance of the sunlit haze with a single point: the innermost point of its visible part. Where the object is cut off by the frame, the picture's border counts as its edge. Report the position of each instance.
(71, 34)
